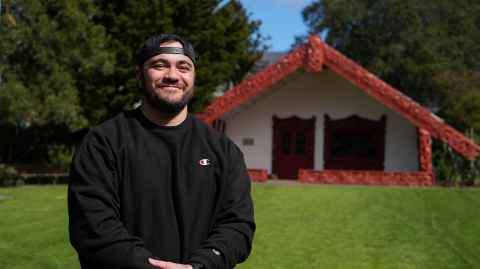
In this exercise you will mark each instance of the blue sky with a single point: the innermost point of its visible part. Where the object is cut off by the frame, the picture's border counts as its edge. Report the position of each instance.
(281, 20)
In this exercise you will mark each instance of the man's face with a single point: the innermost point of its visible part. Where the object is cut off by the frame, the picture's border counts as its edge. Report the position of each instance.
(168, 80)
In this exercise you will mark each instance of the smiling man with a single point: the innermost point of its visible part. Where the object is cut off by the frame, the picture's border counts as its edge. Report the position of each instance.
(155, 187)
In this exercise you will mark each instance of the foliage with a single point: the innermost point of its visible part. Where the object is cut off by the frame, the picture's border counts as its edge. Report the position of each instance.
(452, 169)
(9, 176)
(408, 43)
(21, 144)
(226, 40)
(68, 64)
(462, 105)
(52, 48)
(60, 156)
(50, 53)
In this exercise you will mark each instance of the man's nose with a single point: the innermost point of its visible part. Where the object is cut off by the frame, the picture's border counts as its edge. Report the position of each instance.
(172, 74)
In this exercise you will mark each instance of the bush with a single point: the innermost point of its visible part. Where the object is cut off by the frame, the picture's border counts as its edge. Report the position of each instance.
(60, 156)
(452, 169)
(9, 176)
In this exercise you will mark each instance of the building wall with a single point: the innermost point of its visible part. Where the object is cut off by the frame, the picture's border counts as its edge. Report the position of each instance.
(308, 95)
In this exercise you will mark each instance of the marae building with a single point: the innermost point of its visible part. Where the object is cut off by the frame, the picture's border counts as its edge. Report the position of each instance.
(317, 116)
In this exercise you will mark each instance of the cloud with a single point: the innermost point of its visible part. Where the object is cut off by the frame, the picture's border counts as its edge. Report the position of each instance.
(292, 3)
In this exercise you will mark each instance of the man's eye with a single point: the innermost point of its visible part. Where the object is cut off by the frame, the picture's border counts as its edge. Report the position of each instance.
(184, 68)
(158, 66)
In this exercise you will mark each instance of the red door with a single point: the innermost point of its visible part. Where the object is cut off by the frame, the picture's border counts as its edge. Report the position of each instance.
(293, 145)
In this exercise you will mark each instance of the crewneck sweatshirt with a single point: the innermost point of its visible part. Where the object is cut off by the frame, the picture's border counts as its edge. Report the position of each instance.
(177, 193)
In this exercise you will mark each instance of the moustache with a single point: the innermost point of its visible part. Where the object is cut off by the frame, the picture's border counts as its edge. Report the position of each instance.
(174, 85)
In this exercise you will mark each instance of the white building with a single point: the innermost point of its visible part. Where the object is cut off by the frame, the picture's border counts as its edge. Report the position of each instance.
(317, 116)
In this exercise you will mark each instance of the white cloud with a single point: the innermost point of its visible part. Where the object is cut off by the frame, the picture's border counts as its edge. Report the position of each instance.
(292, 3)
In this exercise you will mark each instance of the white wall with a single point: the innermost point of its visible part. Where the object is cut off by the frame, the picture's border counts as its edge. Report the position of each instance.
(316, 94)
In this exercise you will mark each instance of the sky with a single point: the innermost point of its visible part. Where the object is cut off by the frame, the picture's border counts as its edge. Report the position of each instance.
(281, 20)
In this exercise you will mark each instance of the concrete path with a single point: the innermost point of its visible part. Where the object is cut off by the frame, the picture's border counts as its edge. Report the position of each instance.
(283, 182)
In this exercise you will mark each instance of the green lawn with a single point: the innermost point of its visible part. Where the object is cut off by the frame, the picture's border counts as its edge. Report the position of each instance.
(299, 226)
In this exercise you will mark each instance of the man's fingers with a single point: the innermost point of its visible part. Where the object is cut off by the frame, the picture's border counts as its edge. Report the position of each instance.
(168, 265)
(158, 263)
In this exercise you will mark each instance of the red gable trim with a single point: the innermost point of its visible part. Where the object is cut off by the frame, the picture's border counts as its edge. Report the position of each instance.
(394, 99)
(255, 85)
(312, 57)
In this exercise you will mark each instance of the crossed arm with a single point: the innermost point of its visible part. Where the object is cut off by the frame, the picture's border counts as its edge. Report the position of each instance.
(101, 239)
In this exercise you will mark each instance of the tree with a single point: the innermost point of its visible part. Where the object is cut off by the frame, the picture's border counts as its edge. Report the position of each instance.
(69, 64)
(227, 41)
(50, 53)
(408, 43)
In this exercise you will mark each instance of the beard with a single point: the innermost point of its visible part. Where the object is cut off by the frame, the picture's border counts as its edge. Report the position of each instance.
(167, 106)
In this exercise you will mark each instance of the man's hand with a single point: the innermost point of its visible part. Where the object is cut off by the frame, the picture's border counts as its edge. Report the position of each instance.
(168, 265)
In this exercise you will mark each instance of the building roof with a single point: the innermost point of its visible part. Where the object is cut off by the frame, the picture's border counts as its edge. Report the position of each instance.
(268, 58)
(312, 57)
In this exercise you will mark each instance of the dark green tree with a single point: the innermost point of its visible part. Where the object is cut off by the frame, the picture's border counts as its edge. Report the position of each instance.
(408, 43)
(462, 107)
(227, 41)
(51, 51)
(69, 64)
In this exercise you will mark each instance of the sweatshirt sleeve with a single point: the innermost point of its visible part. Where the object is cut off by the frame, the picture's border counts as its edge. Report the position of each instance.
(96, 232)
(230, 240)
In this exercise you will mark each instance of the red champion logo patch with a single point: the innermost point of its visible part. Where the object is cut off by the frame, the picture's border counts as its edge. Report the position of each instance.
(204, 162)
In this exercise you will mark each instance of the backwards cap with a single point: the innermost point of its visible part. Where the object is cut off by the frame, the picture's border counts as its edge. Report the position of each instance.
(151, 47)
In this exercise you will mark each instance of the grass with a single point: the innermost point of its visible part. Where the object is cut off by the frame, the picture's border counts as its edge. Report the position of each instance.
(33, 228)
(299, 226)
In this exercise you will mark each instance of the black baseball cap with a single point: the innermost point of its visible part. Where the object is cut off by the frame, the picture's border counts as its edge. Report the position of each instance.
(151, 47)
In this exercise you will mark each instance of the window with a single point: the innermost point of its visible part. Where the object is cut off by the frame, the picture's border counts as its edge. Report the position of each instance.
(354, 143)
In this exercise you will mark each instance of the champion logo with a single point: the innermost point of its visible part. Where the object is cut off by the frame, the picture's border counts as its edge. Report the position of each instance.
(216, 252)
(204, 162)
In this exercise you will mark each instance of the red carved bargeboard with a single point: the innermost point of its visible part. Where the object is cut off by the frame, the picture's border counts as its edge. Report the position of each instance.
(397, 101)
(425, 150)
(258, 175)
(366, 177)
(255, 85)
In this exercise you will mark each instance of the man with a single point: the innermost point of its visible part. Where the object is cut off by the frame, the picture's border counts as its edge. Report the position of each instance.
(155, 187)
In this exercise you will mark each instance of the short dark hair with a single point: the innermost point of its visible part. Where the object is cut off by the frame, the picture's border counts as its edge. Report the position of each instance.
(151, 47)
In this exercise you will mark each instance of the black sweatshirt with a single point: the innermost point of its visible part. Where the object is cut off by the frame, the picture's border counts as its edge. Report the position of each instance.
(178, 193)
